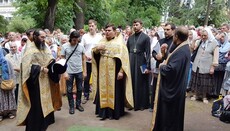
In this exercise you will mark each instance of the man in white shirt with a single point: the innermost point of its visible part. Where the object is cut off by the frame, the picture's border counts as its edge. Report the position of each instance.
(88, 41)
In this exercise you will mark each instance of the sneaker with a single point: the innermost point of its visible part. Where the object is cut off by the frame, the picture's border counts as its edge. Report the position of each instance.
(84, 101)
(80, 108)
(205, 101)
(71, 111)
(11, 116)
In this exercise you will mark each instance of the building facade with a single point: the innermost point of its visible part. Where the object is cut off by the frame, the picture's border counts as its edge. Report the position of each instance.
(6, 8)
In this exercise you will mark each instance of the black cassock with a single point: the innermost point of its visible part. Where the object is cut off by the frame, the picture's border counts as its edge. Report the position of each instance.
(35, 120)
(139, 53)
(171, 99)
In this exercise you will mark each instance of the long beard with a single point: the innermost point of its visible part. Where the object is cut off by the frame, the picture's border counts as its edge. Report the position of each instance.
(40, 44)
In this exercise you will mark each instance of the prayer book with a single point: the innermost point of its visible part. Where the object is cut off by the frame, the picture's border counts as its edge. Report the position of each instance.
(143, 67)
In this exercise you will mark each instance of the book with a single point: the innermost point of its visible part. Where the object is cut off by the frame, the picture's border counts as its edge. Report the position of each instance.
(143, 67)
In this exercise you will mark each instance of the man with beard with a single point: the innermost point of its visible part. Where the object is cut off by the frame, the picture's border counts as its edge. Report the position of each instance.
(168, 112)
(166, 47)
(111, 76)
(139, 54)
(35, 108)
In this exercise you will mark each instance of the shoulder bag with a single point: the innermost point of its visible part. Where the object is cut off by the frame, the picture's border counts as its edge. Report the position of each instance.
(7, 84)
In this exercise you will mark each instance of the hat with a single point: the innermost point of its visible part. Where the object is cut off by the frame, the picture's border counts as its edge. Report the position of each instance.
(56, 68)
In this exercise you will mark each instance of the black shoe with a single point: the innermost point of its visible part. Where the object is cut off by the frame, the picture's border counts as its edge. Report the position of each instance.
(71, 111)
(111, 118)
(80, 108)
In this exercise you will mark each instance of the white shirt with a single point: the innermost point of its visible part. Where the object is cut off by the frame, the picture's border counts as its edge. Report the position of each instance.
(89, 41)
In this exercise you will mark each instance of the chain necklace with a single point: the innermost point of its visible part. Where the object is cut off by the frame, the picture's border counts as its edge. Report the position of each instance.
(135, 42)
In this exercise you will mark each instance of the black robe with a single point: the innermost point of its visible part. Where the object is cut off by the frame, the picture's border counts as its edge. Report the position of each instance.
(171, 99)
(35, 120)
(141, 42)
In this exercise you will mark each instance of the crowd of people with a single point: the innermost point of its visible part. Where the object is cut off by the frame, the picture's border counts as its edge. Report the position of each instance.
(133, 68)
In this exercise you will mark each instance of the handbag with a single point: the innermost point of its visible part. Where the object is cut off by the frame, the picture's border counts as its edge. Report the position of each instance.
(7, 84)
(195, 52)
(225, 115)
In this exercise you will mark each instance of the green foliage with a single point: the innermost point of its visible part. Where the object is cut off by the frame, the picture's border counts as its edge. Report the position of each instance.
(150, 16)
(64, 15)
(98, 10)
(37, 9)
(20, 24)
(119, 12)
(3, 24)
(196, 15)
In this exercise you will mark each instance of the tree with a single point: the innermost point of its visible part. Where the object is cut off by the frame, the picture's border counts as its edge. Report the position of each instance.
(207, 12)
(79, 19)
(50, 14)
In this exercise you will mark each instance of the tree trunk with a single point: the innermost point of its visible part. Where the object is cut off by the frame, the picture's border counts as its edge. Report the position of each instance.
(207, 13)
(50, 14)
(79, 19)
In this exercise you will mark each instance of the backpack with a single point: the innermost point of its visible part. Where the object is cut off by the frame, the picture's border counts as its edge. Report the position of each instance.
(217, 107)
(225, 114)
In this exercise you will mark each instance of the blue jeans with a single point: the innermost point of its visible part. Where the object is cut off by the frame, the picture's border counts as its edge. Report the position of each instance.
(69, 84)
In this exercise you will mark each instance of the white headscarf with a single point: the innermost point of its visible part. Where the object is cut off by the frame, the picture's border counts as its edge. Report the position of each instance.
(211, 37)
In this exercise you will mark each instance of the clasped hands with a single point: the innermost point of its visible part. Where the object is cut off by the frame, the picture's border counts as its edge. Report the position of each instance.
(44, 69)
(100, 47)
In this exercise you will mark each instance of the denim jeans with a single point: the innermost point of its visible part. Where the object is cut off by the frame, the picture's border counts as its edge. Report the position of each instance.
(69, 84)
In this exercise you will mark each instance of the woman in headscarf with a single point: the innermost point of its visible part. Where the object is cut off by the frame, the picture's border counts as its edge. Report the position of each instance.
(206, 60)
(224, 47)
(7, 100)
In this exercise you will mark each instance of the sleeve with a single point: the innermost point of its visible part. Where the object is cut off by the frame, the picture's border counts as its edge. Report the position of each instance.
(170, 68)
(34, 72)
(215, 56)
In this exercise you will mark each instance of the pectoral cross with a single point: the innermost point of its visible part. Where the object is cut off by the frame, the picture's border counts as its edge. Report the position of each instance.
(134, 50)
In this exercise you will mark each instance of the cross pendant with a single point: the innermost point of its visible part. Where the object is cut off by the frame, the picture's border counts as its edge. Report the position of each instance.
(135, 50)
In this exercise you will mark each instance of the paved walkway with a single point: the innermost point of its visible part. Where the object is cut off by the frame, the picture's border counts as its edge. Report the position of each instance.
(197, 118)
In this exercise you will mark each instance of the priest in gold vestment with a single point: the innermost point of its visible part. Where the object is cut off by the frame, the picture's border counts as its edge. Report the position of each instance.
(35, 104)
(111, 76)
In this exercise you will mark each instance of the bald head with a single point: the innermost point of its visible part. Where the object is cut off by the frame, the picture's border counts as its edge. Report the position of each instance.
(181, 33)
